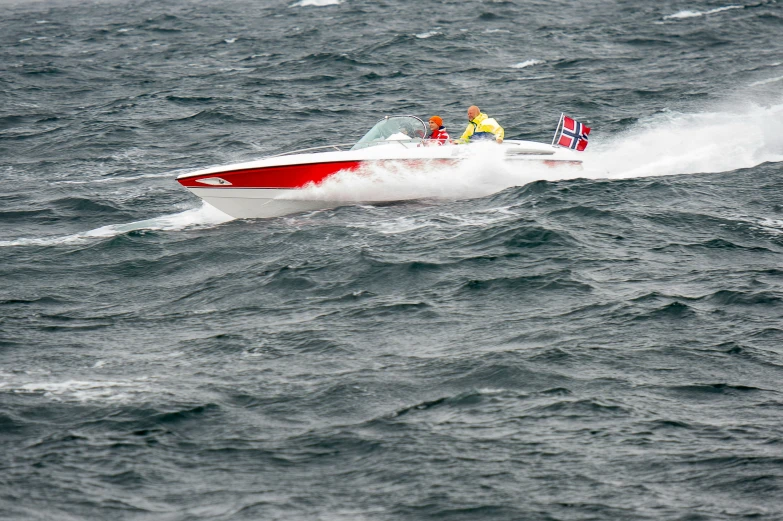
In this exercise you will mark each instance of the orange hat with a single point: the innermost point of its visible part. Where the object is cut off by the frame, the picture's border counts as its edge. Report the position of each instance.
(437, 119)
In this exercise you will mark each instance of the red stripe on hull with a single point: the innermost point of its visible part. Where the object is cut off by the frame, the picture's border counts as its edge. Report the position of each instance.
(295, 176)
(290, 176)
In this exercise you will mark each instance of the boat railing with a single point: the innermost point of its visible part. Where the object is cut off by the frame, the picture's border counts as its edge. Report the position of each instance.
(311, 149)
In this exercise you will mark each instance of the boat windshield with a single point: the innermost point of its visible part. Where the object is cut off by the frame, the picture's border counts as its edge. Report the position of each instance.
(403, 129)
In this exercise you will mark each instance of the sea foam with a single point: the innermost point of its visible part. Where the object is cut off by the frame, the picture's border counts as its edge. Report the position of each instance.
(674, 143)
(527, 63)
(665, 144)
(316, 3)
(694, 14)
(204, 216)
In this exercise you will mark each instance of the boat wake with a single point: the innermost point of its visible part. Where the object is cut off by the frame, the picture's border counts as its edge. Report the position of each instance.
(204, 216)
(665, 144)
(661, 145)
(675, 144)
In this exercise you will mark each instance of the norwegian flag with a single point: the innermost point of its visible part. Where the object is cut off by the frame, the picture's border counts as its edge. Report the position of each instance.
(573, 134)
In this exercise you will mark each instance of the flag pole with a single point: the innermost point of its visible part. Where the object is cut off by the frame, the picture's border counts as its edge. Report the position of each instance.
(559, 121)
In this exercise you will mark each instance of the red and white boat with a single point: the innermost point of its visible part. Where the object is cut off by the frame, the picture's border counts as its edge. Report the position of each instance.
(262, 188)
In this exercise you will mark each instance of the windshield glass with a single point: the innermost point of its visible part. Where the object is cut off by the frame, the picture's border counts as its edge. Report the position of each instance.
(394, 128)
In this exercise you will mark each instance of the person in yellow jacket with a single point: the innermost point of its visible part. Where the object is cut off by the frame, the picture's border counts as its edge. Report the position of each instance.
(480, 126)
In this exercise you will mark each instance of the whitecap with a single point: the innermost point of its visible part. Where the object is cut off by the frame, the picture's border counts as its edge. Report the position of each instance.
(764, 82)
(527, 63)
(694, 14)
(726, 8)
(772, 225)
(316, 3)
(539, 77)
(683, 14)
(427, 35)
(81, 390)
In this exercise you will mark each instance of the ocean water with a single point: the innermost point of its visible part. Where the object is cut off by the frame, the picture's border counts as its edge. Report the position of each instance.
(475, 343)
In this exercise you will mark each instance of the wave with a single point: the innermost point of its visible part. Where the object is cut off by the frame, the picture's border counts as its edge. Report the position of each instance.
(695, 14)
(527, 63)
(81, 390)
(316, 3)
(120, 179)
(204, 216)
(766, 81)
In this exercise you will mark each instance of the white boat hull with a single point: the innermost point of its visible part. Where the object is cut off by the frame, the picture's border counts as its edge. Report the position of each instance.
(259, 203)
(275, 186)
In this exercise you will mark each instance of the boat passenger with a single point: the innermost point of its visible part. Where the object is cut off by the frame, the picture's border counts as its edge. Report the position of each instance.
(438, 136)
(481, 126)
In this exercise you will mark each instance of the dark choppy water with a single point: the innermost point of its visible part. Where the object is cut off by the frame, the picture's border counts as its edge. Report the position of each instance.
(607, 347)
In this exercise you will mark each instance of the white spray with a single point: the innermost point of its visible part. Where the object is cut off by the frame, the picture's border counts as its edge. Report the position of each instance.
(664, 144)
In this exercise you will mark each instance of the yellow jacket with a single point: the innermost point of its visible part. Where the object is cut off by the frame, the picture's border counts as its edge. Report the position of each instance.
(482, 124)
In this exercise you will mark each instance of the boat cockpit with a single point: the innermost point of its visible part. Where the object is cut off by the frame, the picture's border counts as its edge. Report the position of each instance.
(405, 130)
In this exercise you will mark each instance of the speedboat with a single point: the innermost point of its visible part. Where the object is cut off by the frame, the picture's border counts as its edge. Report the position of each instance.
(262, 188)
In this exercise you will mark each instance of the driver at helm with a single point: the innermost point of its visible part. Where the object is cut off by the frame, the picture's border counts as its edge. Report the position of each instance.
(481, 126)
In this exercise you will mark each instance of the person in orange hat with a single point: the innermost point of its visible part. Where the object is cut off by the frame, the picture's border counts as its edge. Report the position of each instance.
(438, 136)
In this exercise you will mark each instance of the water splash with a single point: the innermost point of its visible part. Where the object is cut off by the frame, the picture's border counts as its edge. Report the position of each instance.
(483, 173)
(673, 144)
(665, 144)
